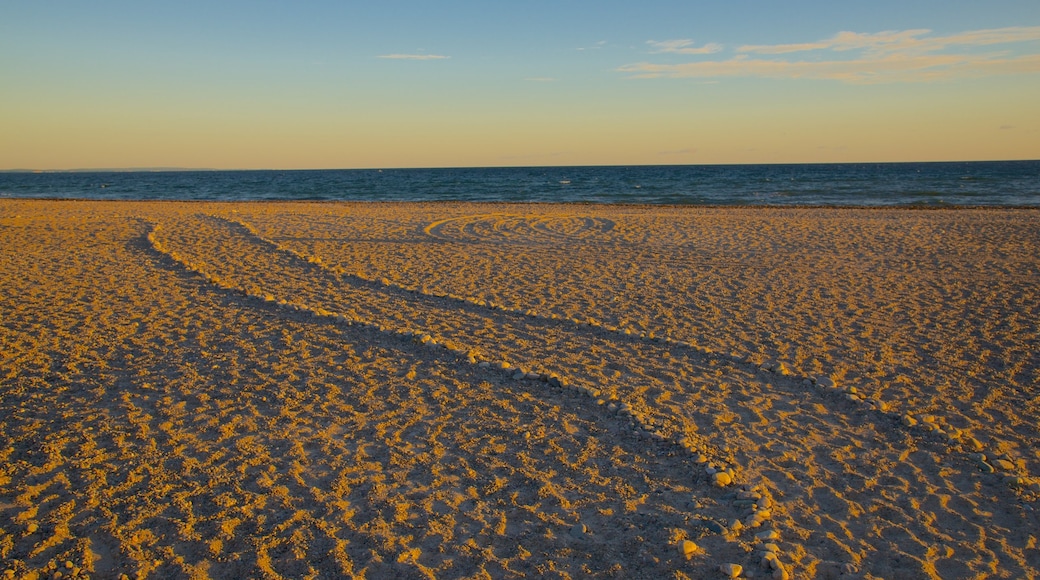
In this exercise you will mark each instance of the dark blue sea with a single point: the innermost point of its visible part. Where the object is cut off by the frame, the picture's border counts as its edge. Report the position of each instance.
(989, 183)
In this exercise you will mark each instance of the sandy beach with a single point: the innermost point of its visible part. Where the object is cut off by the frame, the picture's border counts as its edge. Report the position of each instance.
(451, 390)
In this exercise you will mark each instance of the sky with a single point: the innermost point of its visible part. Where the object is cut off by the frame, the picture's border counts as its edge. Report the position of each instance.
(407, 83)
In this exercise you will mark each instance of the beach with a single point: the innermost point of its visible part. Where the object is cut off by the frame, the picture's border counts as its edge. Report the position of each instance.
(290, 390)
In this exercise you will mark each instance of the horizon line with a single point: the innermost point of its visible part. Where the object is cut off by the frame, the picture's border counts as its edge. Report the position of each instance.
(148, 169)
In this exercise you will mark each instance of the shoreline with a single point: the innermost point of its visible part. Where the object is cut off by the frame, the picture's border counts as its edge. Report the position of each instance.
(604, 205)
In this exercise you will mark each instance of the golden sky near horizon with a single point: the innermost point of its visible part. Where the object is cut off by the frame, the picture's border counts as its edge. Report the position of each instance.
(85, 92)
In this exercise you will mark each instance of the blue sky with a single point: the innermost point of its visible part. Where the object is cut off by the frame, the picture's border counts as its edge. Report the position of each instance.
(330, 84)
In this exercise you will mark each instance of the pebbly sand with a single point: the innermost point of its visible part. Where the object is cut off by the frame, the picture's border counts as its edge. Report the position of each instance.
(320, 390)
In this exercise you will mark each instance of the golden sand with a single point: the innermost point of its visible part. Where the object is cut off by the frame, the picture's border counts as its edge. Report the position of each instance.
(320, 390)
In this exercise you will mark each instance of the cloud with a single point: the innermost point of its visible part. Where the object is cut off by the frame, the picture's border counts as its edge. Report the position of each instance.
(414, 56)
(862, 58)
(906, 41)
(683, 46)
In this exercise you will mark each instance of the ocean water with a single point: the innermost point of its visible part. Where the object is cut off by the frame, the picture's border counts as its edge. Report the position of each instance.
(989, 183)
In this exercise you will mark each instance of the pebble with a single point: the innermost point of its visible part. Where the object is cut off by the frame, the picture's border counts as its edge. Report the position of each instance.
(1003, 464)
(715, 527)
(731, 570)
(722, 479)
(909, 420)
(825, 382)
(768, 535)
(985, 467)
(518, 375)
(687, 549)
(32, 527)
(579, 530)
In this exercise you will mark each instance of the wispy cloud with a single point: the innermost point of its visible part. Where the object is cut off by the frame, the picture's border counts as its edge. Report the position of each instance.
(854, 57)
(683, 46)
(414, 56)
(596, 46)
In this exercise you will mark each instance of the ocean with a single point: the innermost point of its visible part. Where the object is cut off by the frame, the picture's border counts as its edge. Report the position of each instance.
(984, 183)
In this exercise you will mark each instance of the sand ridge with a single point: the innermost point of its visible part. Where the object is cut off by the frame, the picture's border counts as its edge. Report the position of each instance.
(217, 390)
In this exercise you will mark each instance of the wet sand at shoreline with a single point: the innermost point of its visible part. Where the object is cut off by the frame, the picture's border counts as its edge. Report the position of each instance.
(294, 390)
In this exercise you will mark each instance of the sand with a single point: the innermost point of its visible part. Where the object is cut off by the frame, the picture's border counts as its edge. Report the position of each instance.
(271, 390)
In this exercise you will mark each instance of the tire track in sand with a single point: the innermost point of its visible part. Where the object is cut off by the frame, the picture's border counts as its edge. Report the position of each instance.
(729, 400)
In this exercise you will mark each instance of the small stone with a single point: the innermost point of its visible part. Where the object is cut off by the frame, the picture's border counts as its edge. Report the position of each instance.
(849, 568)
(700, 459)
(986, 467)
(768, 535)
(533, 376)
(483, 364)
(579, 530)
(825, 382)
(518, 375)
(764, 503)
(714, 527)
(909, 420)
(1003, 465)
(731, 570)
(772, 548)
(722, 479)
(974, 443)
(735, 526)
(32, 527)
(687, 549)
